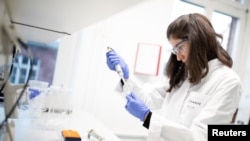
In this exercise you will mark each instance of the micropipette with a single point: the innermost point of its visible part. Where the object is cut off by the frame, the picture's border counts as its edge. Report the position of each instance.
(120, 73)
(117, 67)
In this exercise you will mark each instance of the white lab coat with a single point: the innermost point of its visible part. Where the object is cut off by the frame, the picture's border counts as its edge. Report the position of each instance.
(183, 114)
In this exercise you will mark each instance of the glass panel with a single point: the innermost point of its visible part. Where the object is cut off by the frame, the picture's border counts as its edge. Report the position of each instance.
(25, 60)
(225, 25)
(239, 1)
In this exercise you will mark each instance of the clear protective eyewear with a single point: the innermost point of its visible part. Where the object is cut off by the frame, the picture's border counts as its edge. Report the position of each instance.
(177, 48)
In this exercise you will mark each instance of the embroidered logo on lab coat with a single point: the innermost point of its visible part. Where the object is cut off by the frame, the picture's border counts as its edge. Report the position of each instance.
(192, 107)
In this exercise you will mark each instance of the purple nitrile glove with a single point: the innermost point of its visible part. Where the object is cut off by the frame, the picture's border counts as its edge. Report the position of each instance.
(114, 59)
(136, 107)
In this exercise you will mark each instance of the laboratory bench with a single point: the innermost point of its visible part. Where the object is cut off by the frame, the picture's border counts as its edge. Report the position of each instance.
(49, 127)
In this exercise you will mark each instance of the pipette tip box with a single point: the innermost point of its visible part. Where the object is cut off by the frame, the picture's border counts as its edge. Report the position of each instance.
(70, 135)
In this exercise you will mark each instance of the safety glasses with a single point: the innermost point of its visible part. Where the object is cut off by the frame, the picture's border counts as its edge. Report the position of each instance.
(178, 48)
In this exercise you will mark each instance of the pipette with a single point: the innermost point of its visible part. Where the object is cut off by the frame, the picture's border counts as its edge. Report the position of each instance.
(117, 67)
(120, 73)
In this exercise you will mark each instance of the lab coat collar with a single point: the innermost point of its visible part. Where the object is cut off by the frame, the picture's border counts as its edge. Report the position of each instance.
(214, 64)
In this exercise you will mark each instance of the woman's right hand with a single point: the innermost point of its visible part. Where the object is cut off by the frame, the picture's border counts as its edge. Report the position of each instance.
(114, 59)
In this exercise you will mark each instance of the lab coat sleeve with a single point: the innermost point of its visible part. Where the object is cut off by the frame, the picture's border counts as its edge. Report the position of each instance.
(165, 130)
(218, 110)
(153, 94)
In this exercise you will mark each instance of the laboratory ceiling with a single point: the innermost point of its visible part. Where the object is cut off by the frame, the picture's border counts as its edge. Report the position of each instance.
(48, 20)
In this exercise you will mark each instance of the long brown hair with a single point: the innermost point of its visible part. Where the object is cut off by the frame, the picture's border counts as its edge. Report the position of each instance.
(204, 45)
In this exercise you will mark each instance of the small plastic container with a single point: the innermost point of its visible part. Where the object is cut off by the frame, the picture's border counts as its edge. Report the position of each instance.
(40, 85)
(36, 93)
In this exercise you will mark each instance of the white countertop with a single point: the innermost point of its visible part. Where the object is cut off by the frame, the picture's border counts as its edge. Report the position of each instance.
(49, 127)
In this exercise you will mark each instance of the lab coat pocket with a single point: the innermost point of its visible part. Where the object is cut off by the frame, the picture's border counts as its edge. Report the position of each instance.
(192, 107)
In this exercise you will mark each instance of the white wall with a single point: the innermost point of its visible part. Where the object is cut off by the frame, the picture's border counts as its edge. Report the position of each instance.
(244, 107)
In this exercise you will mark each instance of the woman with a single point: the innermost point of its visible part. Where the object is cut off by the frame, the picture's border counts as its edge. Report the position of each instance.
(202, 88)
